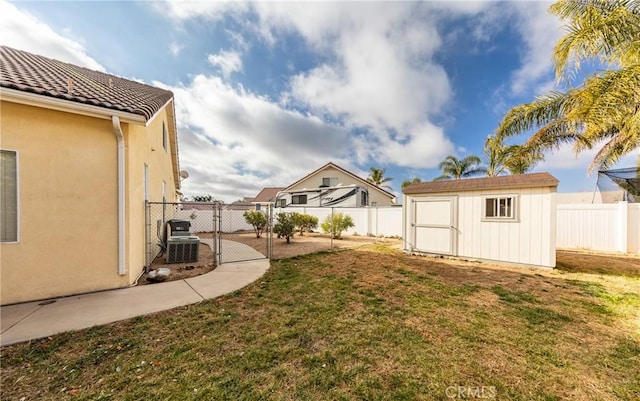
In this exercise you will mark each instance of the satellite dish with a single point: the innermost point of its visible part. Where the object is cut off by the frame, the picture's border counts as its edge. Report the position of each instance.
(184, 174)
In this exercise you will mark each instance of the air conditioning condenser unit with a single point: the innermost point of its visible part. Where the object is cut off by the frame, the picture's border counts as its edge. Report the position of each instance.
(182, 249)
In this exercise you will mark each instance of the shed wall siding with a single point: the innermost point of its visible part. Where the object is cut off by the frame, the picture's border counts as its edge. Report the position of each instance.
(528, 240)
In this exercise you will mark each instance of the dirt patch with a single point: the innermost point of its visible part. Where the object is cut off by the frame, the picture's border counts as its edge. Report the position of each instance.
(302, 245)
(180, 271)
(598, 263)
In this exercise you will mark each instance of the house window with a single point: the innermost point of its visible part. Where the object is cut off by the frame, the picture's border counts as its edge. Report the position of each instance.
(329, 181)
(299, 199)
(8, 196)
(281, 203)
(258, 206)
(364, 201)
(500, 208)
(165, 136)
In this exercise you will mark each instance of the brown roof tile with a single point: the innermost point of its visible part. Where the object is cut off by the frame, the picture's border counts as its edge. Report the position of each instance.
(533, 180)
(267, 195)
(32, 73)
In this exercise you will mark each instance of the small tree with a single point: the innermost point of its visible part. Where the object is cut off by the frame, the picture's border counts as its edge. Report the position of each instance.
(305, 222)
(336, 225)
(257, 219)
(285, 225)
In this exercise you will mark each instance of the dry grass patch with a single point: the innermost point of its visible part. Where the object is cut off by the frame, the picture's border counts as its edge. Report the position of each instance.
(368, 324)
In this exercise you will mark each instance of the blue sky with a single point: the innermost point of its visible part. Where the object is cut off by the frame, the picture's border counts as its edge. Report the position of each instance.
(268, 92)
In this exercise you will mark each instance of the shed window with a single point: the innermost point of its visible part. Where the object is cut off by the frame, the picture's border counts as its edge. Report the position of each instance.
(329, 181)
(8, 196)
(500, 208)
(299, 199)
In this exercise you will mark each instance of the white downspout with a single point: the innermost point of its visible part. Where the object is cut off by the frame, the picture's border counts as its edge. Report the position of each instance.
(122, 269)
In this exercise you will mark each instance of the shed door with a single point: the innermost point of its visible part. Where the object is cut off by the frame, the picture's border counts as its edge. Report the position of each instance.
(434, 224)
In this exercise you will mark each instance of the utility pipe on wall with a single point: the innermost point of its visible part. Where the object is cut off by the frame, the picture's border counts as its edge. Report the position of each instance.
(122, 269)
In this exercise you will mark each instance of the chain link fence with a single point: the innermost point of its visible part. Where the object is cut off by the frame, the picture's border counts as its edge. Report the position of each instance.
(226, 232)
(233, 239)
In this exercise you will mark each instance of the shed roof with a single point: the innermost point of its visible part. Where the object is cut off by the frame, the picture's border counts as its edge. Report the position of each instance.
(534, 180)
(40, 75)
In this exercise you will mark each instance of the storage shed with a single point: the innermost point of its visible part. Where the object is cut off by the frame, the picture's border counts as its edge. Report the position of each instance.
(506, 218)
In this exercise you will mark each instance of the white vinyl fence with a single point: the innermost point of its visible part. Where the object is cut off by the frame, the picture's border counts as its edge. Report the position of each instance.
(372, 221)
(383, 222)
(609, 227)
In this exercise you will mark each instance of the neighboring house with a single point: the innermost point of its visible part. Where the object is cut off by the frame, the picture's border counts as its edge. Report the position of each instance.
(81, 153)
(506, 218)
(242, 204)
(266, 197)
(331, 185)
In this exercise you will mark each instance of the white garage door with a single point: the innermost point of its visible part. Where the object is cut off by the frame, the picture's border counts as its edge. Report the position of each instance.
(434, 221)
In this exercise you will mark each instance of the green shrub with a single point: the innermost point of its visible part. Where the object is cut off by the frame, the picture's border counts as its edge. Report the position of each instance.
(285, 225)
(305, 222)
(257, 219)
(337, 225)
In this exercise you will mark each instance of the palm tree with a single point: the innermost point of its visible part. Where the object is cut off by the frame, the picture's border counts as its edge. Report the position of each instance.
(605, 110)
(495, 153)
(415, 180)
(515, 159)
(453, 169)
(376, 177)
(521, 159)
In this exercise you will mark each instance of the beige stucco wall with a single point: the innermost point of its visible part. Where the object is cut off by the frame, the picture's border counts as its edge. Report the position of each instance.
(144, 146)
(68, 206)
(376, 197)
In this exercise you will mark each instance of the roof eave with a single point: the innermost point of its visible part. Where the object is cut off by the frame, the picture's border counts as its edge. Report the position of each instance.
(52, 103)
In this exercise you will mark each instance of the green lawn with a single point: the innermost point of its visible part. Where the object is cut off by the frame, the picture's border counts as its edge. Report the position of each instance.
(368, 324)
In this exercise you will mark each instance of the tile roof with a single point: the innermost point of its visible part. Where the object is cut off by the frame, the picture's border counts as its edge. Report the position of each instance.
(267, 195)
(40, 75)
(533, 180)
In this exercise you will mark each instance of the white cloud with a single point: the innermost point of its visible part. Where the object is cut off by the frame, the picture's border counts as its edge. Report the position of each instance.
(175, 48)
(22, 31)
(566, 158)
(234, 142)
(379, 75)
(539, 31)
(227, 61)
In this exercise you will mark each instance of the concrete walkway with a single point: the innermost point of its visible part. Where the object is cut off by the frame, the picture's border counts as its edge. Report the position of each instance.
(33, 320)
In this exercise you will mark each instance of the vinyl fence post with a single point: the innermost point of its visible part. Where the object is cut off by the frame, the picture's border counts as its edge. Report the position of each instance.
(332, 229)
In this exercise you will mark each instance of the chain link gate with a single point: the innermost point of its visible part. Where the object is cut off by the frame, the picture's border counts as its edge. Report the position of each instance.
(224, 230)
(238, 240)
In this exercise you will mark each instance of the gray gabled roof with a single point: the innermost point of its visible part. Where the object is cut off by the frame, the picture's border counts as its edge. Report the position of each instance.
(44, 76)
(347, 172)
(534, 180)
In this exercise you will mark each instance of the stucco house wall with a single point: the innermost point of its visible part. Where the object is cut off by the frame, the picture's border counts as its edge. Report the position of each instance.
(67, 204)
(63, 131)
